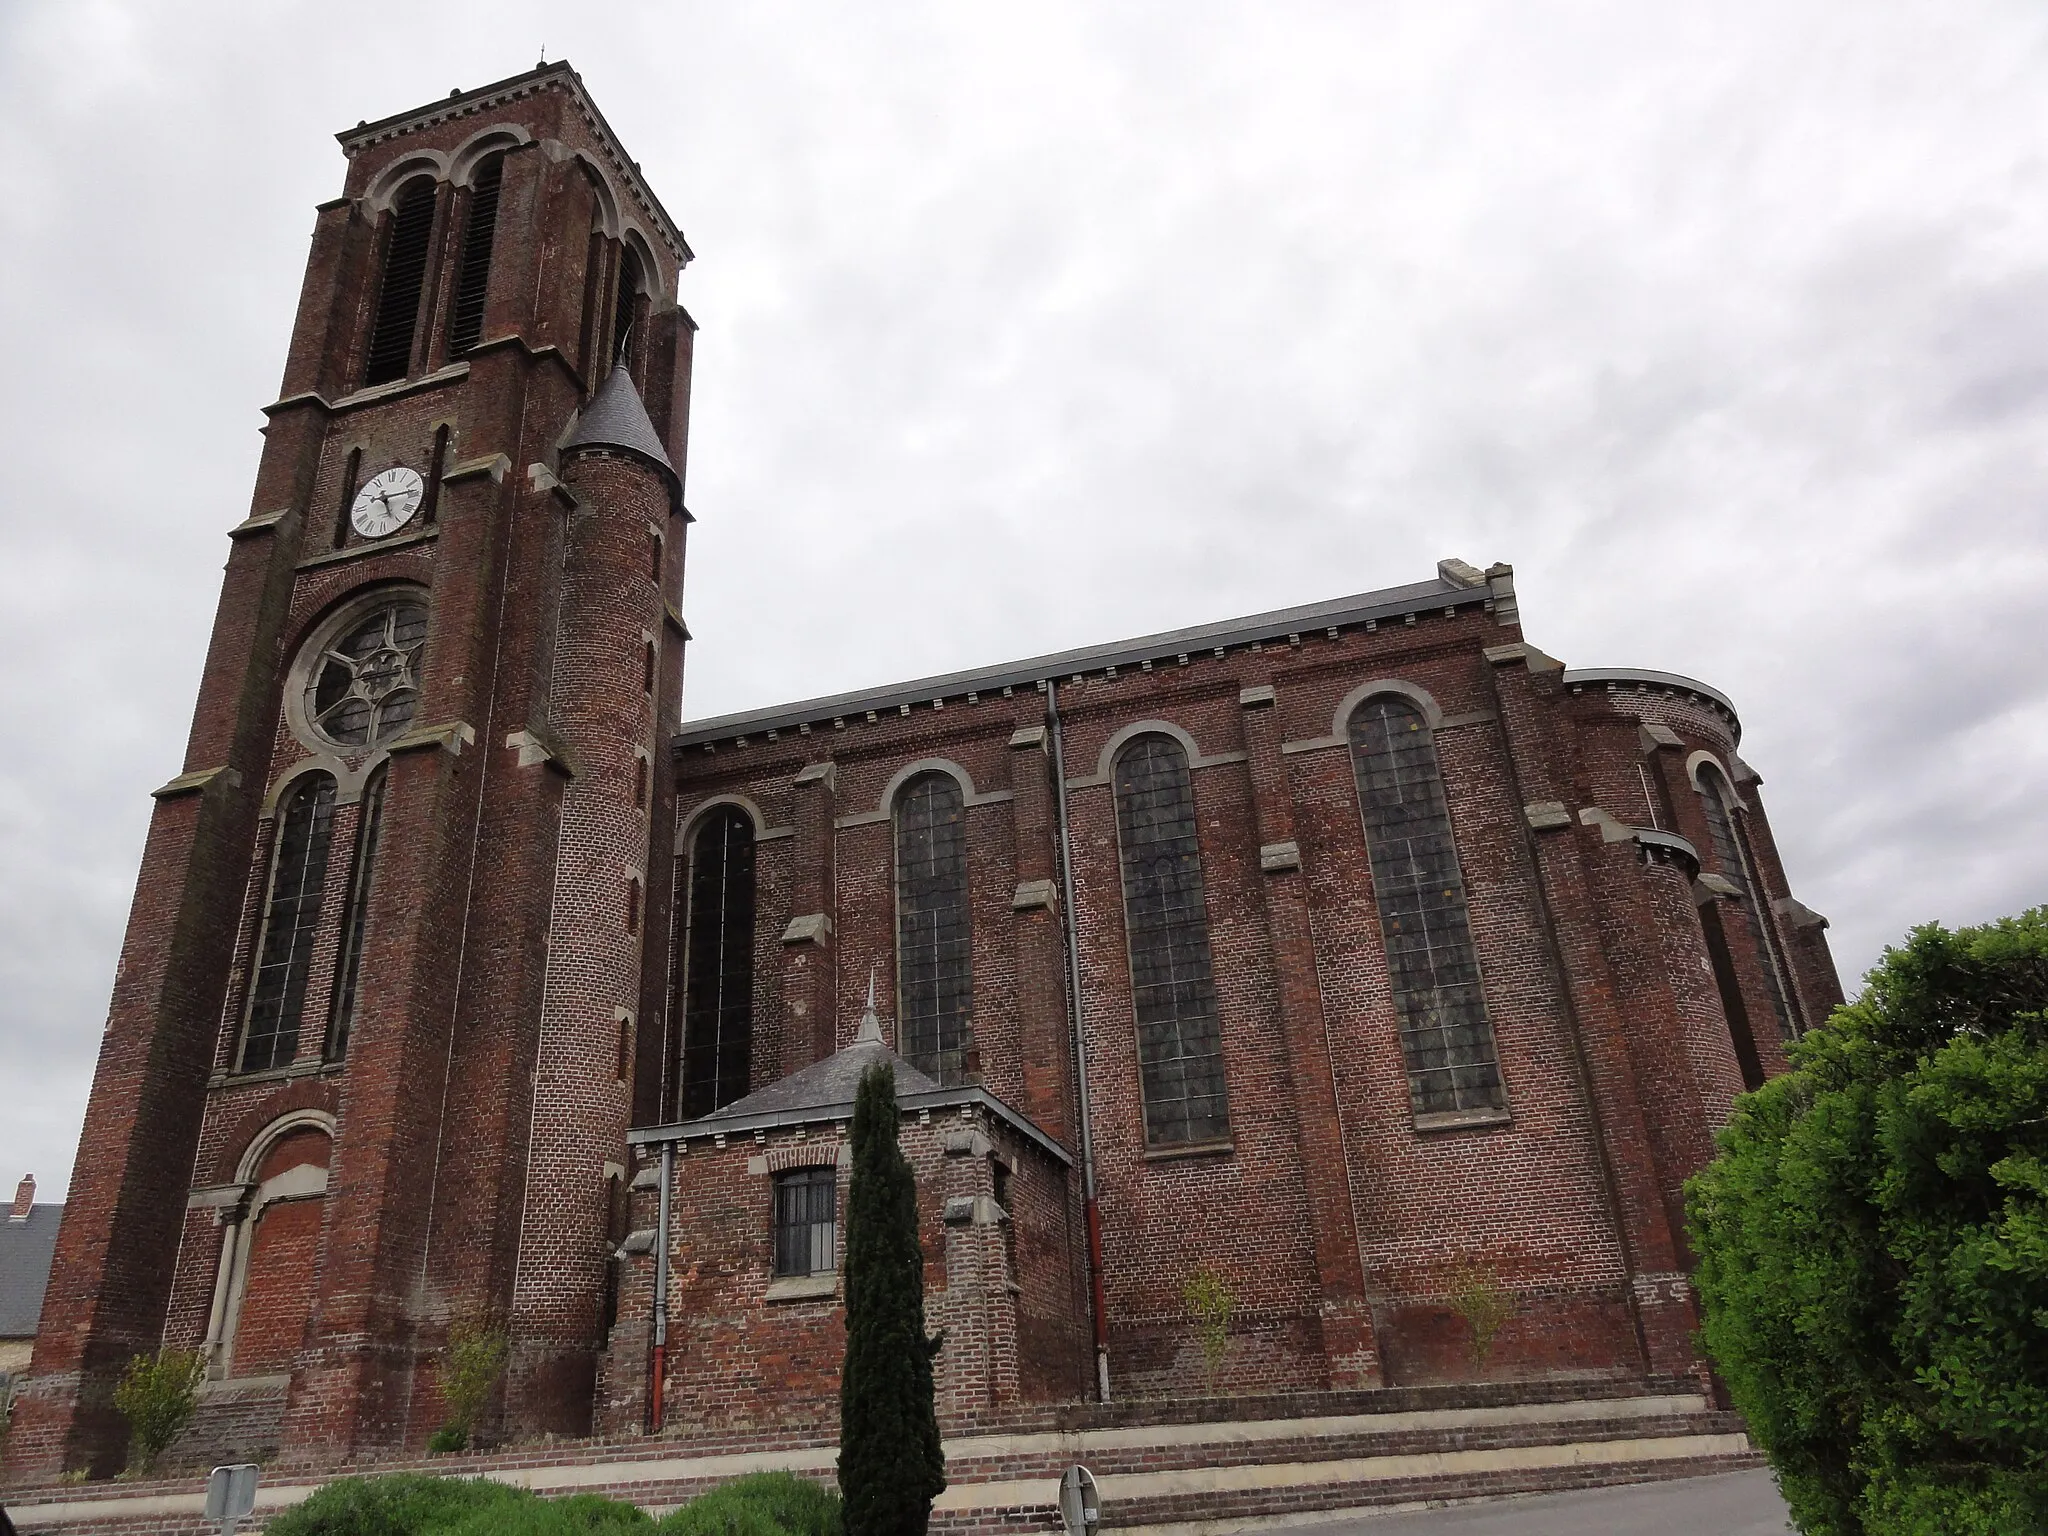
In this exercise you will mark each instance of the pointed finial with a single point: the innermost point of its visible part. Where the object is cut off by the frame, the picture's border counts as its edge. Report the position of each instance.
(870, 1032)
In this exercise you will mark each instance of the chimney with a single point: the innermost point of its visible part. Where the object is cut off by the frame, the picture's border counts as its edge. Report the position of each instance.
(24, 1198)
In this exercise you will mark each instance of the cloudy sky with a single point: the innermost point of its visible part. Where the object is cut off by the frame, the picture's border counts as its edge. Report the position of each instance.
(1026, 326)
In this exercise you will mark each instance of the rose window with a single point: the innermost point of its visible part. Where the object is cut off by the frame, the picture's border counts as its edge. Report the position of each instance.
(365, 685)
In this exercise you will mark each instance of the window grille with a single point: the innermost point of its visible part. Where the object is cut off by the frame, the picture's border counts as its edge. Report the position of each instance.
(298, 871)
(1432, 967)
(365, 687)
(718, 967)
(473, 279)
(626, 305)
(369, 822)
(934, 936)
(405, 273)
(1166, 920)
(1715, 798)
(806, 1221)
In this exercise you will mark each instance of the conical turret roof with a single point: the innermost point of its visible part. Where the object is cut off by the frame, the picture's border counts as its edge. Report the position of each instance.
(616, 418)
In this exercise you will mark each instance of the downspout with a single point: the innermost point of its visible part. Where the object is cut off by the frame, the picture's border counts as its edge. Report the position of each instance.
(1097, 1306)
(654, 1405)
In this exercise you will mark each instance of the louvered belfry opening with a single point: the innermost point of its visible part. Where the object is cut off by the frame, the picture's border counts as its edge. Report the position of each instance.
(1166, 922)
(718, 966)
(1432, 966)
(405, 271)
(627, 305)
(298, 873)
(473, 279)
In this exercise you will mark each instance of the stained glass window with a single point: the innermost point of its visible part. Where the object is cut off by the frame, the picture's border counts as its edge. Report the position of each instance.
(364, 687)
(1446, 1037)
(1166, 920)
(718, 966)
(934, 939)
(298, 870)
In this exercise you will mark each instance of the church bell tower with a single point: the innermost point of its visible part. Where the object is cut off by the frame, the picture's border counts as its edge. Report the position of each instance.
(392, 983)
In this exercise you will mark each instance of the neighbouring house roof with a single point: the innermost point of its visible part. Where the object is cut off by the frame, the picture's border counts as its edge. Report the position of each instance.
(26, 1249)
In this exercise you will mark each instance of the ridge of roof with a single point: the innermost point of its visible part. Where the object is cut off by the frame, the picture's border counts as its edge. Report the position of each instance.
(1384, 603)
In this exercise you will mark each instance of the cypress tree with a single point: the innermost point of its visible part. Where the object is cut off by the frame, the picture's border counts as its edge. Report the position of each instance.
(890, 1464)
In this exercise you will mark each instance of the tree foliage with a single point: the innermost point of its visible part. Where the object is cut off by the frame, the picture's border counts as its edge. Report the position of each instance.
(890, 1463)
(471, 1366)
(157, 1396)
(1873, 1247)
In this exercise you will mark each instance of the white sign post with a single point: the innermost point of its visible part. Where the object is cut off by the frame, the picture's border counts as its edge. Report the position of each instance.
(1080, 1503)
(231, 1494)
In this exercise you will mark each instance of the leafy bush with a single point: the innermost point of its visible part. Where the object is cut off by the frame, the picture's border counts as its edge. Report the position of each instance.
(1873, 1247)
(1479, 1298)
(156, 1397)
(583, 1514)
(447, 1440)
(471, 1364)
(1210, 1302)
(404, 1504)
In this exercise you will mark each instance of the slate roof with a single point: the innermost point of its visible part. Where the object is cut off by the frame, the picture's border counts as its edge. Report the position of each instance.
(26, 1248)
(616, 418)
(828, 1083)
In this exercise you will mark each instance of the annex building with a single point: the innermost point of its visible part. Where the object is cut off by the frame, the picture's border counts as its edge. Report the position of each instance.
(1347, 961)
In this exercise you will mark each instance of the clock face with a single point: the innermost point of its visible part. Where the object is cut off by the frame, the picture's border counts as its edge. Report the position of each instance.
(387, 503)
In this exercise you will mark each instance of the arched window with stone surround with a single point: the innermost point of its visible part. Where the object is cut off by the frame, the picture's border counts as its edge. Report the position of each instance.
(348, 968)
(1717, 802)
(1432, 966)
(934, 935)
(270, 1251)
(291, 915)
(403, 282)
(1166, 927)
(718, 963)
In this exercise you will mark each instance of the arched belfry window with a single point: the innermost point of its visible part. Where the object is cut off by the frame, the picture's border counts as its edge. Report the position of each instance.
(627, 305)
(405, 272)
(718, 964)
(473, 277)
(934, 938)
(348, 969)
(1432, 967)
(291, 913)
(1166, 925)
(1717, 800)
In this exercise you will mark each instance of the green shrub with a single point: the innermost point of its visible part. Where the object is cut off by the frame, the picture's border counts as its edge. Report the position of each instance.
(583, 1514)
(1211, 1303)
(1873, 1247)
(471, 1365)
(447, 1440)
(765, 1504)
(156, 1397)
(403, 1504)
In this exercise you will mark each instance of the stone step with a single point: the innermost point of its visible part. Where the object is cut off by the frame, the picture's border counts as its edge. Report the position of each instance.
(1149, 1475)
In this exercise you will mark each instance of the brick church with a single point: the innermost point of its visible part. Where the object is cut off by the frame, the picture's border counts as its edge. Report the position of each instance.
(1340, 959)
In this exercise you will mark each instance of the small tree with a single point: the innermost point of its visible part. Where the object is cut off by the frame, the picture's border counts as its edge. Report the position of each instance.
(890, 1463)
(1478, 1297)
(1873, 1247)
(157, 1396)
(1210, 1302)
(471, 1365)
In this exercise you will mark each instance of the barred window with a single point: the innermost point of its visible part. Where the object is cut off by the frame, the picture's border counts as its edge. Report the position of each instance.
(364, 687)
(297, 872)
(348, 971)
(1716, 797)
(806, 1221)
(405, 273)
(473, 277)
(1166, 920)
(934, 939)
(718, 965)
(1432, 967)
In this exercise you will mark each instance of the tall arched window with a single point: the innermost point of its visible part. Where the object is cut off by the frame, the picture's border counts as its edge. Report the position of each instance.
(405, 272)
(1446, 1037)
(1716, 799)
(348, 969)
(718, 965)
(627, 305)
(934, 940)
(473, 278)
(1166, 922)
(298, 870)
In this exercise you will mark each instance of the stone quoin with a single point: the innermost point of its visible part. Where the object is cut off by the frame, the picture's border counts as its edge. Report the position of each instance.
(1357, 958)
